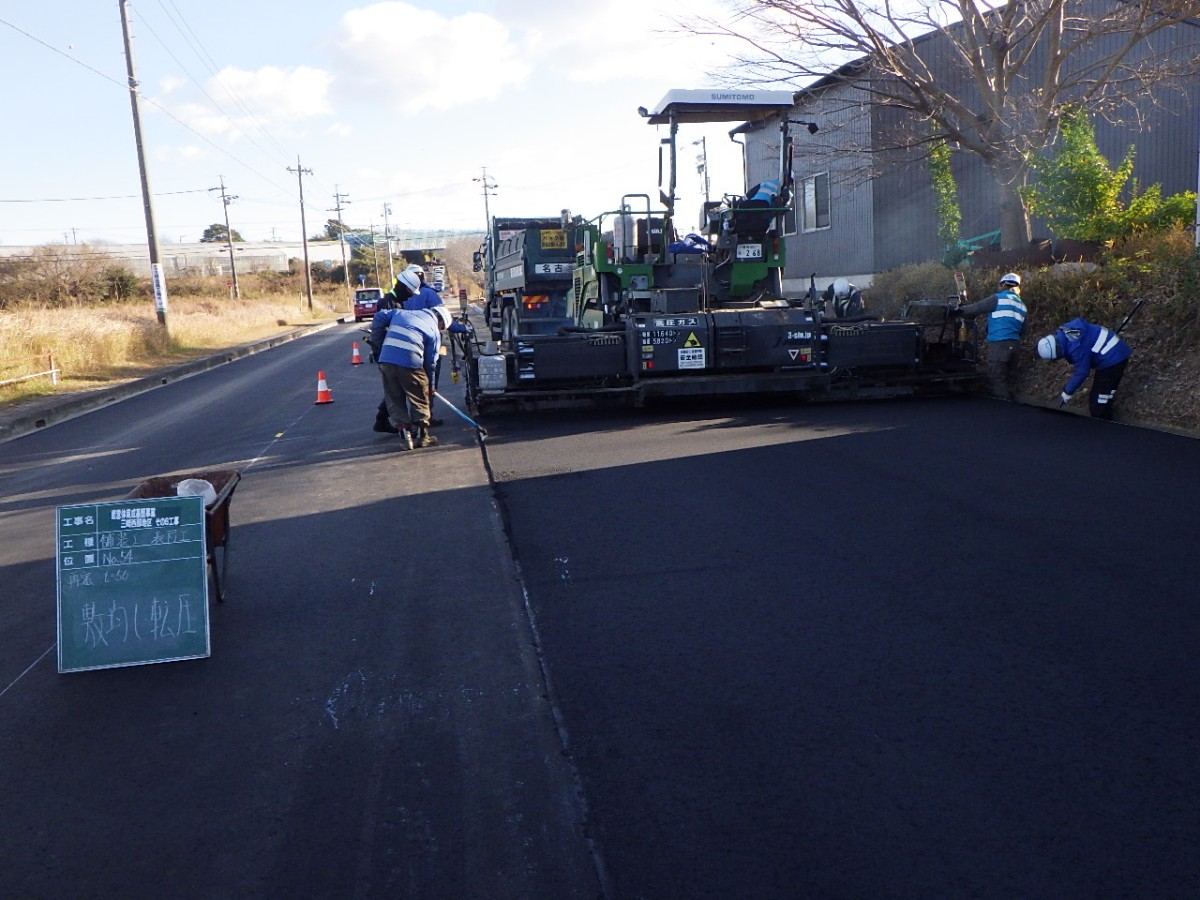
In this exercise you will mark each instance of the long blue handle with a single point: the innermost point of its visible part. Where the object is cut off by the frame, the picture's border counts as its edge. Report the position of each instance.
(462, 415)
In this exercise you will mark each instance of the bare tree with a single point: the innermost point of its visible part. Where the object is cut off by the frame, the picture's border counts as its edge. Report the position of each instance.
(992, 79)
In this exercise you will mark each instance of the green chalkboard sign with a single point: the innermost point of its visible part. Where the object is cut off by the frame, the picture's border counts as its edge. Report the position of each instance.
(132, 583)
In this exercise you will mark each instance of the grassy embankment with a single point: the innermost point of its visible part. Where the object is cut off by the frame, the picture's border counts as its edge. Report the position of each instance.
(1162, 385)
(100, 344)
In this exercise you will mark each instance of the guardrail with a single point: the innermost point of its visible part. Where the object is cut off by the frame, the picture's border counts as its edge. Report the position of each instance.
(46, 359)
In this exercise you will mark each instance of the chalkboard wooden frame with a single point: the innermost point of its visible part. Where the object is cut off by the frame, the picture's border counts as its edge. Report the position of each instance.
(132, 583)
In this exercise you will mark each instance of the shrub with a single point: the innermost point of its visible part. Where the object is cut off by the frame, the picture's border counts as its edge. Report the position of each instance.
(119, 284)
(891, 290)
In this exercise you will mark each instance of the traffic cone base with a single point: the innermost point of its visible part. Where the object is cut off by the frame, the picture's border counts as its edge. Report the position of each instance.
(355, 358)
(322, 389)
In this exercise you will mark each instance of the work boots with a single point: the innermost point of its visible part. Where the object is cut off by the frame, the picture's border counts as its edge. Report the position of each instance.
(424, 438)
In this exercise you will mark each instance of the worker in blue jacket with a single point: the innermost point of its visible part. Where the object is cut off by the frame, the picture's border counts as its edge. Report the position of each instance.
(1088, 346)
(1006, 314)
(408, 342)
(425, 296)
(405, 288)
(410, 292)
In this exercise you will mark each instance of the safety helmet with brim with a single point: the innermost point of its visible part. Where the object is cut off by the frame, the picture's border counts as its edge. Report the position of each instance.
(408, 278)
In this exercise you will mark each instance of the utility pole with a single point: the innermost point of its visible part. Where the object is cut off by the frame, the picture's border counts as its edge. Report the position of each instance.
(702, 164)
(489, 187)
(300, 173)
(156, 270)
(226, 199)
(387, 210)
(338, 200)
(375, 253)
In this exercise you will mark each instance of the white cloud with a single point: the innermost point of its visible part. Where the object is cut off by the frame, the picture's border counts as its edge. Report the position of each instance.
(416, 59)
(627, 40)
(269, 99)
(273, 94)
(180, 153)
(420, 59)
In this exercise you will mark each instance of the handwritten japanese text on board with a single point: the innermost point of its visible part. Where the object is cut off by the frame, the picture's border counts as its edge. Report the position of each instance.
(132, 583)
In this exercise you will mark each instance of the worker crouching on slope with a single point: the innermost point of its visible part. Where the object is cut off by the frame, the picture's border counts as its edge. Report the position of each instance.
(1088, 346)
(1006, 321)
(408, 342)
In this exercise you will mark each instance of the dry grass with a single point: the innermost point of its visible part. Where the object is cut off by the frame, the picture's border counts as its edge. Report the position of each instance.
(104, 344)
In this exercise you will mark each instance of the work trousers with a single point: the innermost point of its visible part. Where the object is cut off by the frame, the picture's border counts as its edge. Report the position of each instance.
(406, 393)
(1002, 368)
(381, 414)
(1104, 390)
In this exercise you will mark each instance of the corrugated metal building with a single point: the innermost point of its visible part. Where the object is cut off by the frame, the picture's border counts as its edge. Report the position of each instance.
(213, 258)
(186, 259)
(863, 209)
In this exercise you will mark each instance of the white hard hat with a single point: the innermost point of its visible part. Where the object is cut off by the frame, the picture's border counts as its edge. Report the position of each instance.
(415, 268)
(443, 315)
(410, 280)
(1048, 347)
(1011, 278)
(841, 287)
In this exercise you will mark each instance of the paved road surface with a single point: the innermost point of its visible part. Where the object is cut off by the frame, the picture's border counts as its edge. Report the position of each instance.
(908, 649)
(372, 721)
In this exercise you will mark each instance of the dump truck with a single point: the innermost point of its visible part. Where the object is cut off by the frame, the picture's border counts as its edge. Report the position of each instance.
(528, 276)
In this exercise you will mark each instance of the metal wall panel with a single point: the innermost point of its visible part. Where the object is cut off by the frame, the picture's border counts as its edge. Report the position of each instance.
(883, 212)
(840, 149)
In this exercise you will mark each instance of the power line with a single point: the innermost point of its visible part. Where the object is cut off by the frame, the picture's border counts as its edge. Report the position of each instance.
(124, 87)
(210, 64)
(114, 197)
(167, 112)
(54, 49)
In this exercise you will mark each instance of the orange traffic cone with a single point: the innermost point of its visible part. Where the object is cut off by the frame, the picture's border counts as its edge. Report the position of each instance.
(322, 389)
(355, 359)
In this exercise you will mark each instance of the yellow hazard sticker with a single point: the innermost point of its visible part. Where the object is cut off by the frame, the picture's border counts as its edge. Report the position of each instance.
(692, 340)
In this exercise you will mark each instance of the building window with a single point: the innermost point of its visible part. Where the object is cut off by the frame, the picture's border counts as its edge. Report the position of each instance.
(814, 202)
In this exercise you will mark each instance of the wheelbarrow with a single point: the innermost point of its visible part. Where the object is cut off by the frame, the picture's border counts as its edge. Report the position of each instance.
(216, 514)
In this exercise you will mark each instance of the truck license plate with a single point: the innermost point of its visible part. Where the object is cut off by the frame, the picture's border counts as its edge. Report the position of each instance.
(749, 251)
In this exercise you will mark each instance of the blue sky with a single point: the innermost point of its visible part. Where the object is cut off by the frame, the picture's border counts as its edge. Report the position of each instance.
(402, 103)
